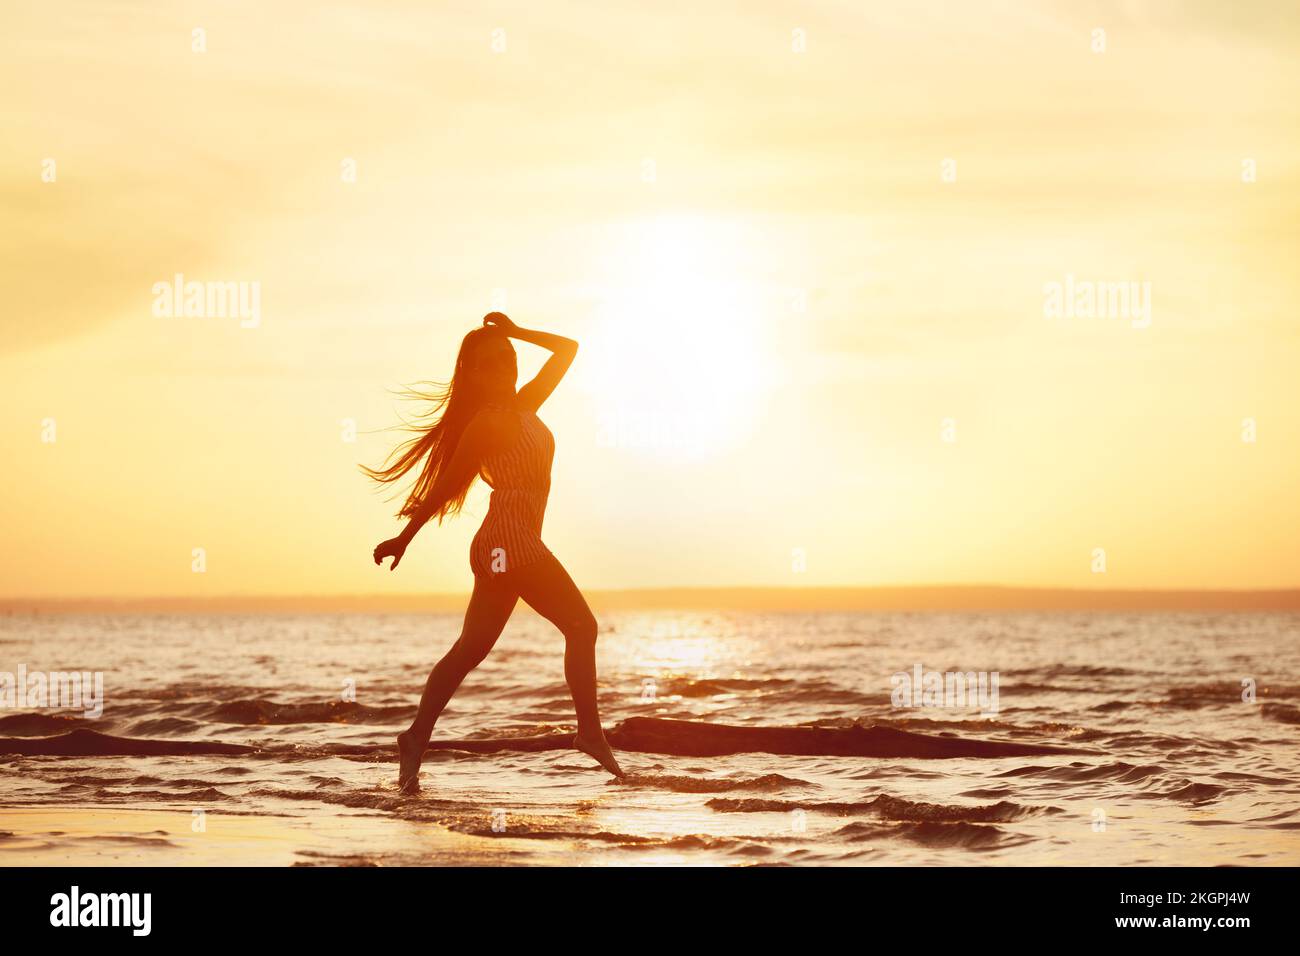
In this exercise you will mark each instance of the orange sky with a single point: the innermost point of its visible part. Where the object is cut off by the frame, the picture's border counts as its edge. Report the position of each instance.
(780, 299)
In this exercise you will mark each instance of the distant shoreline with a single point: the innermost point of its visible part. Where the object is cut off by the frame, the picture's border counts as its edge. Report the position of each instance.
(917, 598)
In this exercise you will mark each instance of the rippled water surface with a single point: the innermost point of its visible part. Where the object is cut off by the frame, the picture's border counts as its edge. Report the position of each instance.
(1173, 766)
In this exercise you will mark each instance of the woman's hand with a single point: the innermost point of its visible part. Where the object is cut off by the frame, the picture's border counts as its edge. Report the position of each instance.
(392, 548)
(501, 321)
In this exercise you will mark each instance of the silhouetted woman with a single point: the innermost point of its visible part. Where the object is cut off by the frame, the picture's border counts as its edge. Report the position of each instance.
(488, 429)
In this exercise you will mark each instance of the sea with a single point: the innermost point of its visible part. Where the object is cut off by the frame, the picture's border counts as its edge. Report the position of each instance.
(1135, 739)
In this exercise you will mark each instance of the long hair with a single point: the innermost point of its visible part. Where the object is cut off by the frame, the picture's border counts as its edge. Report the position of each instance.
(437, 432)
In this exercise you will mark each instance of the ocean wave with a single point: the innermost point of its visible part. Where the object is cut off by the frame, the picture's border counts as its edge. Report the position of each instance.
(39, 725)
(1120, 771)
(972, 836)
(890, 808)
(704, 739)
(734, 846)
(1283, 713)
(680, 784)
(642, 734)
(1140, 781)
(354, 799)
(85, 743)
(164, 726)
(1189, 792)
(715, 686)
(263, 711)
(1072, 670)
(129, 839)
(132, 795)
(532, 831)
(987, 725)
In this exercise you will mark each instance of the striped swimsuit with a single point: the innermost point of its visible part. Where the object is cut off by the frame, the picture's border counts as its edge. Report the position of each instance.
(520, 478)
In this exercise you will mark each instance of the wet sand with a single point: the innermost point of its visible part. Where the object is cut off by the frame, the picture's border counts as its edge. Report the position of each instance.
(91, 836)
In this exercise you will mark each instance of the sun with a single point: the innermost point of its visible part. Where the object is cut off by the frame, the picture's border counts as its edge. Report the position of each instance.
(677, 348)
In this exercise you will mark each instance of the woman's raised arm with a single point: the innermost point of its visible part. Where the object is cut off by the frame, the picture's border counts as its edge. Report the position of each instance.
(562, 349)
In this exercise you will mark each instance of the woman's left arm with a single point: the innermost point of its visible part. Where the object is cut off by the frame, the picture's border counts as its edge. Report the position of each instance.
(562, 349)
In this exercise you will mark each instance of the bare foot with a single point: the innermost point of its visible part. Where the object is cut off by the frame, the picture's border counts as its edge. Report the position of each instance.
(599, 749)
(410, 754)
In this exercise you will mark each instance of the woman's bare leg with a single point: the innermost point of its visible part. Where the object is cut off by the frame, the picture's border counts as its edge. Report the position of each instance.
(548, 590)
(489, 608)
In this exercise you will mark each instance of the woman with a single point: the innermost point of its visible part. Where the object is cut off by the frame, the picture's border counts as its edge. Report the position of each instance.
(487, 429)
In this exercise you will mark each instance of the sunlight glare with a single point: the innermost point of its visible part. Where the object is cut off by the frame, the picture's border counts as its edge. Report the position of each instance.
(677, 345)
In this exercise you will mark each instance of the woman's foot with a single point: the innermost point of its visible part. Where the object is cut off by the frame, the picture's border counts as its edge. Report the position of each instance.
(599, 749)
(410, 754)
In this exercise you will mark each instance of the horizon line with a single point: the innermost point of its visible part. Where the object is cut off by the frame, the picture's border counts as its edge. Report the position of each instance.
(917, 597)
